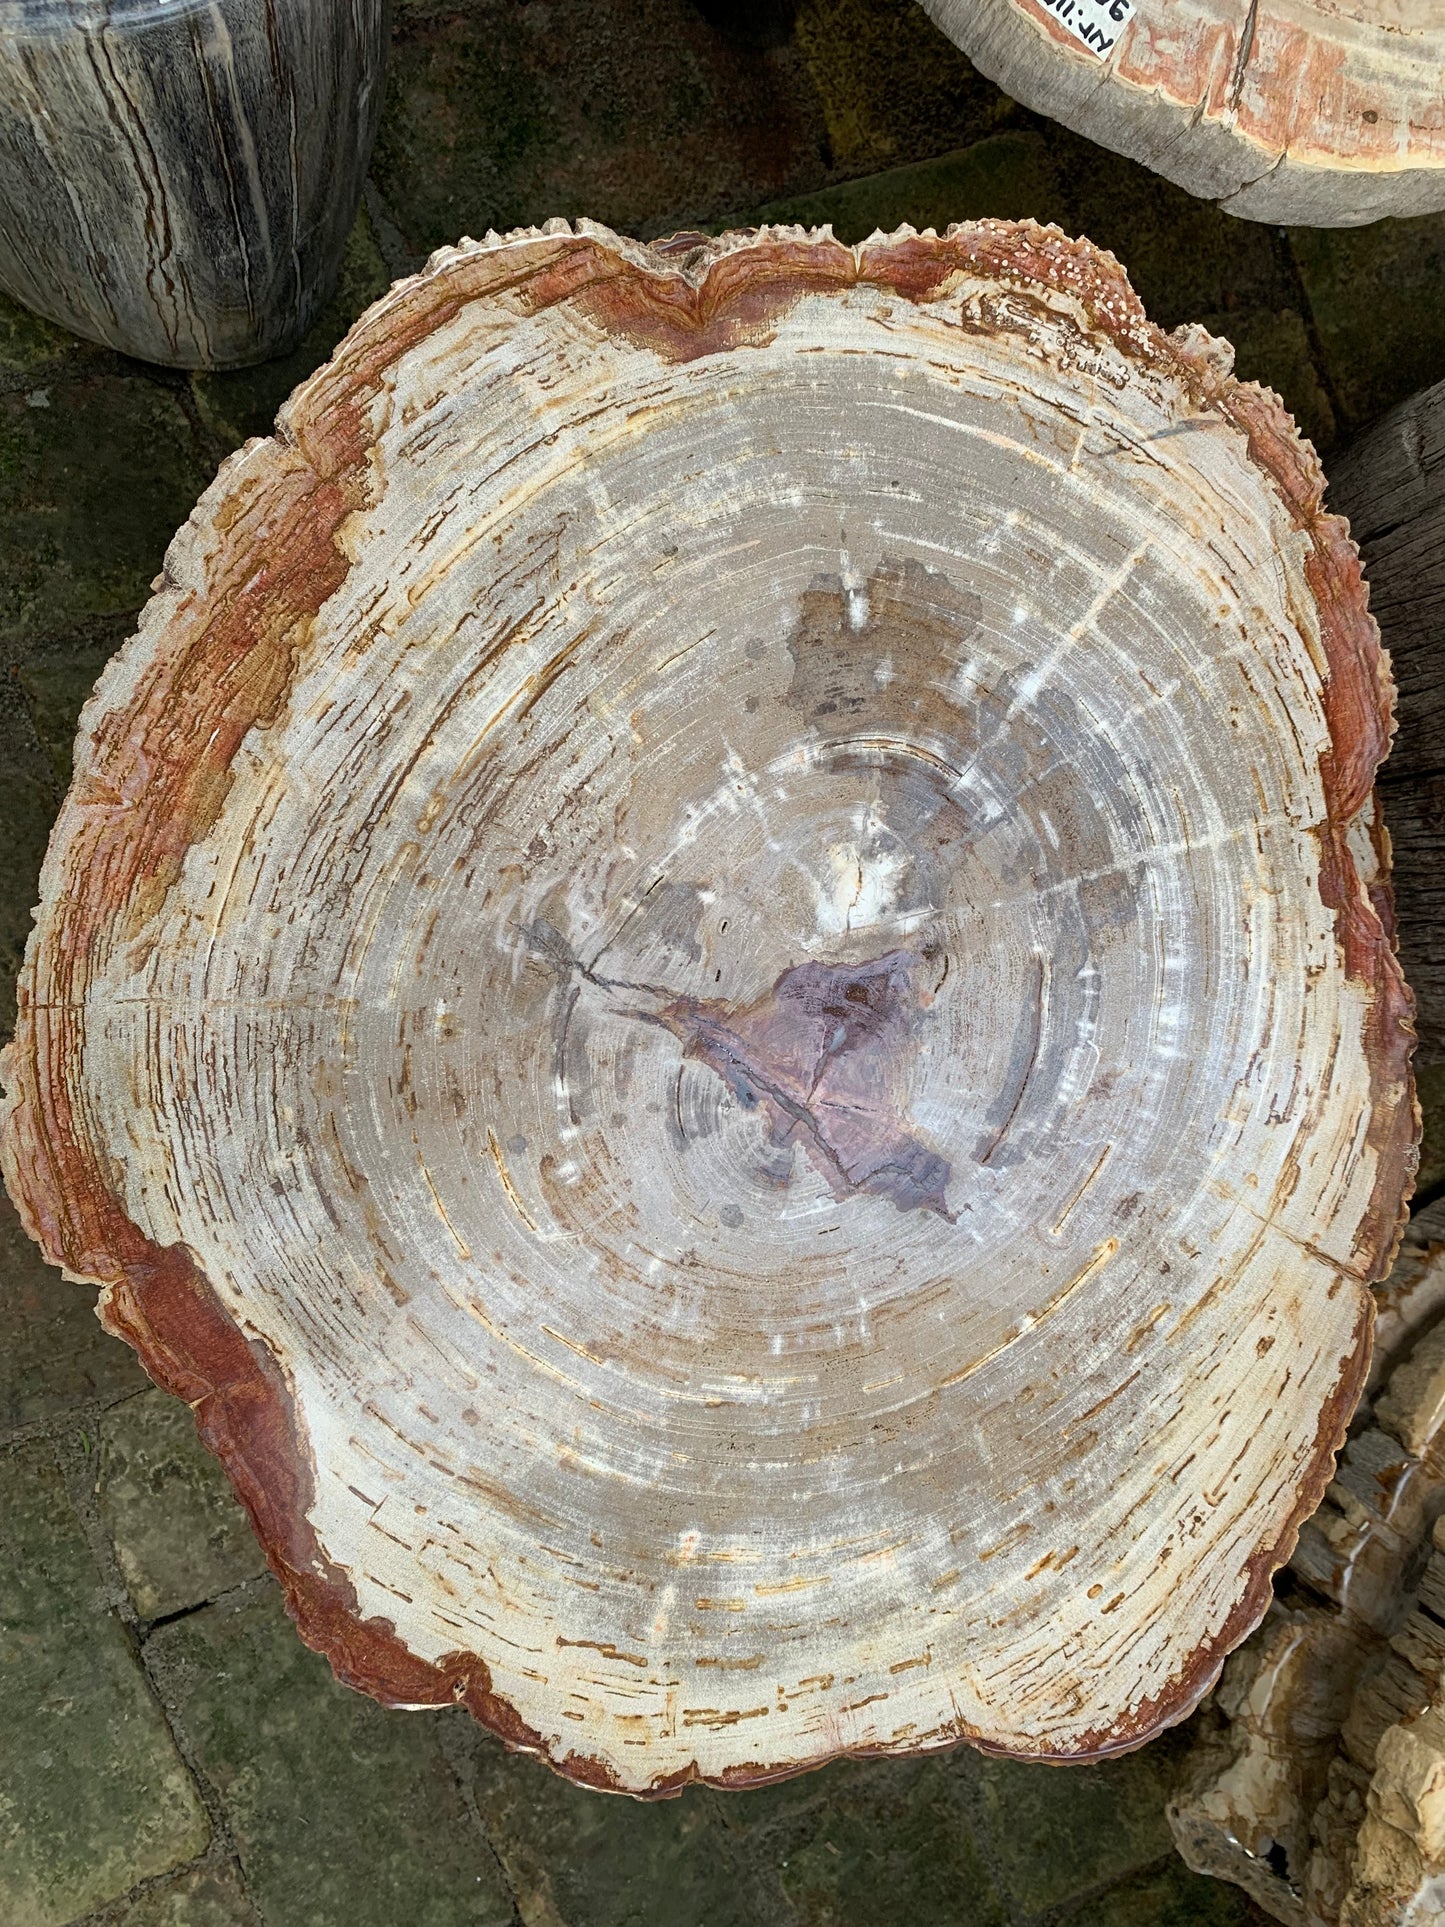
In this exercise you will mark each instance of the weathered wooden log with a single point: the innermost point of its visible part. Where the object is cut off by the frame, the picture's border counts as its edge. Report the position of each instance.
(1299, 111)
(177, 177)
(1326, 1717)
(714, 983)
(1391, 485)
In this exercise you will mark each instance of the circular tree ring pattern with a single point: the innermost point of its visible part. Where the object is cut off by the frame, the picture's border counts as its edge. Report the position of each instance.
(718, 983)
(1318, 112)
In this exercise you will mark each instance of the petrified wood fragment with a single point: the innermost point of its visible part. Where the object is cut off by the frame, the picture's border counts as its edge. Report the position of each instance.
(1321, 112)
(715, 983)
(178, 177)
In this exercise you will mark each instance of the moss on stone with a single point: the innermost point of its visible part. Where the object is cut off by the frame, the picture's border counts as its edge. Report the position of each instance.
(1171, 1897)
(893, 1840)
(33, 350)
(572, 1857)
(180, 1535)
(57, 674)
(1430, 1089)
(893, 87)
(1009, 176)
(94, 480)
(93, 1795)
(203, 1897)
(29, 797)
(1056, 1835)
(56, 1357)
(642, 113)
(341, 1810)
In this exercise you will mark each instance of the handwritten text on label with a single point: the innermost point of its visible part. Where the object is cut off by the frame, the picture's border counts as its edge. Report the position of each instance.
(1095, 24)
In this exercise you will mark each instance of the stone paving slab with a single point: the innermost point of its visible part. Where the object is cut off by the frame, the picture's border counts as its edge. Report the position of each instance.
(964, 1838)
(892, 87)
(1430, 1089)
(34, 352)
(1055, 1834)
(872, 1841)
(56, 673)
(575, 1858)
(638, 112)
(180, 1536)
(97, 472)
(343, 1814)
(1171, 1897)
(1009, 175)
(54, 1356)
(29, 796)
(93, 1794)
(204, 1897)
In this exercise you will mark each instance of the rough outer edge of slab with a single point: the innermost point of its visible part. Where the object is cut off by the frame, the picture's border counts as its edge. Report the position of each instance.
(236, 639)
(1188, 125)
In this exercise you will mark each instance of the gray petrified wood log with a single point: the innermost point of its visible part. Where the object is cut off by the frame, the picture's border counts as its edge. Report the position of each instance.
(715, 984)
(1391, 486)
(1321, 112)
(177, 177)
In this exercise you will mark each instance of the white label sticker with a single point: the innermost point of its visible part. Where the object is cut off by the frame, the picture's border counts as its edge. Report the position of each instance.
(1095, 24)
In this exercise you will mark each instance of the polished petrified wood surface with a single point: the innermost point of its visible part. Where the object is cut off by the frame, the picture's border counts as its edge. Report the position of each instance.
(717, 982)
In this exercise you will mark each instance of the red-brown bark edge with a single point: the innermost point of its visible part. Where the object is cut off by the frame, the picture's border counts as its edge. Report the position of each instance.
(222, 652)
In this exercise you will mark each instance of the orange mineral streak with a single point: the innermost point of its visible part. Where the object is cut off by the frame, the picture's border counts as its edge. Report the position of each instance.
(1285, 88)
(1302, 95)
(1359, 703)
(152, 781)
(155, 772)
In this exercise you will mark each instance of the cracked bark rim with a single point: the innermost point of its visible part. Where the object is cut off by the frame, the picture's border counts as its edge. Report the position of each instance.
(1319, 112)
(421, 872)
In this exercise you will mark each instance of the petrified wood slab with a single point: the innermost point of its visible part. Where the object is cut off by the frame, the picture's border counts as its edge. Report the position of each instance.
(178, 177)
(1321, 112)
(715, 984)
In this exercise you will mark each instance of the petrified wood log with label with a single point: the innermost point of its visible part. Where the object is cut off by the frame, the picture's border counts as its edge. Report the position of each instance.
(717, 984)
(1321, 112)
